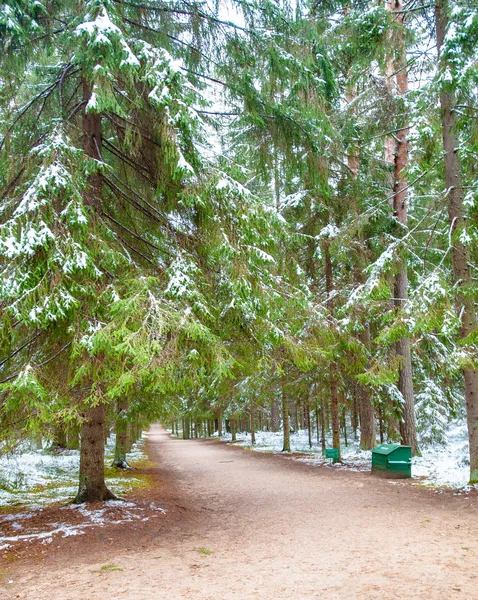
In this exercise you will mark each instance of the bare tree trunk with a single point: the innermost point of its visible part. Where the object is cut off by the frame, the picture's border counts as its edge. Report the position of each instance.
(317, 430)
(92, 457)
(366, 411)
(400, 163)
(344, 417)
(362, 395)
(334, 385)
(219, 422)
(285, 422)
(460, 253)
(322, 425)
(121, 436)
(92, 451)
(275, 414)
(253, 428)
(308, 422)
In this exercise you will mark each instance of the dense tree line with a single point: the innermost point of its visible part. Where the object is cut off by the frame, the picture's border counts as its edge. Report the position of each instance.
(258, 213)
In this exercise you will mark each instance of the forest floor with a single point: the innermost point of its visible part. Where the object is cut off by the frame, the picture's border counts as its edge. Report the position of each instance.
(220, 522)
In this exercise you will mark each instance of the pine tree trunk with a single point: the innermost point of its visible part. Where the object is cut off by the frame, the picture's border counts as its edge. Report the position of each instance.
(366, 411)
(308, 422)
(253, 429)
(92, 457)
(317, 430)
(121, 436)
(292, 415)
(334, 410)
(275, 414)
(344, 417)
(285, 422)
(219, 422)
(233, 429)
(322, 426)
(460, 253)
(334, 384)
(400, 163)
(92, 451)
(362, 395)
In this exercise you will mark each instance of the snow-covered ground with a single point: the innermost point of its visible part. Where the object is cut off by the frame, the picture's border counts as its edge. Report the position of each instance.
(440, 465)
(35, 477)
(112, 512)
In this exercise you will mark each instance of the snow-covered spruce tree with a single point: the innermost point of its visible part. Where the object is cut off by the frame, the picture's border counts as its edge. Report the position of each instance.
(115, 234)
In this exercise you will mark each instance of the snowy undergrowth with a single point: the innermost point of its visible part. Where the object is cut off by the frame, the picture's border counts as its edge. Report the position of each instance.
(112, 512)
(36, 477)
(441, 465)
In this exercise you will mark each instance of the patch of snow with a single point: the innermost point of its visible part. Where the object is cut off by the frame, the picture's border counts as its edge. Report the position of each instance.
(445, 465)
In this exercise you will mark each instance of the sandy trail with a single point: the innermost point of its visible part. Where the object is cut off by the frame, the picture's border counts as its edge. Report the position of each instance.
(251, 526)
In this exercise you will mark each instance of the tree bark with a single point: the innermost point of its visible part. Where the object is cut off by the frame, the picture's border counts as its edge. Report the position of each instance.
(121, 427)
(366, 411)
(92, 451)
(253, 428)
(400, 163)
(334, 384)
(92, 485)
(460, 253)
(362, 395)
(285, 421)
(275, 414)
(308, 422)
(317, 430)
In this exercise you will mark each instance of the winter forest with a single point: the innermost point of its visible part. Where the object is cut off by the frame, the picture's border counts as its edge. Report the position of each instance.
(252, 220)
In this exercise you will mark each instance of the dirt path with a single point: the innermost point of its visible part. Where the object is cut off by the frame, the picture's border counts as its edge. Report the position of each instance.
(260, 527)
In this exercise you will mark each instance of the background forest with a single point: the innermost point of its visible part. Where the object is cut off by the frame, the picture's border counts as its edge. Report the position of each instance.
(252, 215)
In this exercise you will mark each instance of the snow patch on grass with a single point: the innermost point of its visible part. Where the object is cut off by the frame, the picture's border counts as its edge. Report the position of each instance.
(36, 477)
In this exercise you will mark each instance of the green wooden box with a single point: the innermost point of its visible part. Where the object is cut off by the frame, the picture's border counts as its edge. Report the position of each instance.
(392, 460)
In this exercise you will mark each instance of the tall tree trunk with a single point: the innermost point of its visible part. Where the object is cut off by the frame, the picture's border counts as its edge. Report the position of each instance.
(92, 457)
(322, 426)
(219, 422)
(366, 411)
(285, 421)
(334, 384)
(317, 430)
(344, 417)
(253, 428)
(308, 422)
(400, 163)
(362, 395)
(275, 414)
(293, 415)
(121, 426)
(92, 451)
(460, 254)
